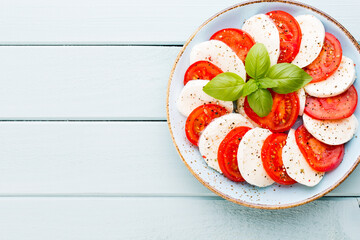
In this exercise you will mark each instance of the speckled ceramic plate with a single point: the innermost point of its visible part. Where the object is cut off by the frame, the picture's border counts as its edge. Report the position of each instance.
(274, 196)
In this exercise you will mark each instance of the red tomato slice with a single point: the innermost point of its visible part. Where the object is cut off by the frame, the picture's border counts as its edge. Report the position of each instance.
(290, 35)
(283, 115)
(227, 154)
(238, 40)
(199, 118)
(328, 60)
(271, 156)
(338, 107)
(201, 70)
(320, 156)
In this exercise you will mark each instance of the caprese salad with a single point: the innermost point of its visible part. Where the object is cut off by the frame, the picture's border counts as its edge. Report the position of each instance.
(246, 88)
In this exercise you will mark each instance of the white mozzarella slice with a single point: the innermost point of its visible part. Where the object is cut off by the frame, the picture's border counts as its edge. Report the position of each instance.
(219, 54)
(302, 100)
(192, 96)
(313, 35)
(263, 30)
(296, 165)
(337, 83)
(332, 132)
(249, 157)
(214, 133)
(241, 110)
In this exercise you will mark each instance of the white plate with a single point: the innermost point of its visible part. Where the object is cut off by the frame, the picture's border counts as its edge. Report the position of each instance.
(275, 196)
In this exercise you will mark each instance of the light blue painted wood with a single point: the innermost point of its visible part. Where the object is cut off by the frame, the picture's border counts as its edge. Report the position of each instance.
(90, 158)
(84, 82)
(87, 83)
(56, 160)
(137, 21)
(173, 218)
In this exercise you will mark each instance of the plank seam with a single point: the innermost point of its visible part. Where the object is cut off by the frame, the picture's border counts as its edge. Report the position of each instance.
(83, 120)
(132, 195)
(91, 45)
(144, 44)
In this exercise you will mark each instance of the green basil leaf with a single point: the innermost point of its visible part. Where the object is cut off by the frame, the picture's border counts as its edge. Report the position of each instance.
(250, 87)
(289, 77)
(261, 102)
(267, 83)
(257, 62)
(225, 86)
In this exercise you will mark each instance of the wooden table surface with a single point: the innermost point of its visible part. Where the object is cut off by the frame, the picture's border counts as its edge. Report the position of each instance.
(85, 149)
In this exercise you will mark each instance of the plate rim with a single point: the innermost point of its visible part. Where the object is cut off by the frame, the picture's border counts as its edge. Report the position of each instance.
(214, 190)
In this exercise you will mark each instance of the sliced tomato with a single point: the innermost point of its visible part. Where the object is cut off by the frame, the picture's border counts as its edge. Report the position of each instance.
(227, 154)
(320, 156)
(271, 156)
(338, 107)
(328, 60)
(238, 40)
(283, 115)
(199, 118)
(290, 35)
(201, 70)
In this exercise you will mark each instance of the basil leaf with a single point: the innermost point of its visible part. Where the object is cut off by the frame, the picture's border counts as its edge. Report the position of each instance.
(225, 86)
(267, 83)
(250, 87)
(261, 102)
(257, 61)
(289, 77)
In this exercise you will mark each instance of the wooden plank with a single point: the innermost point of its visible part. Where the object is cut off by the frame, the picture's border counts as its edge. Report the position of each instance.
(116, 158)
(87, 83)
(138, 21)
(173, 218)
(84, 82)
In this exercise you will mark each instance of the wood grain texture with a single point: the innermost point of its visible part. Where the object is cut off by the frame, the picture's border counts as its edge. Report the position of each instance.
(98, 158)
(173, 218)
(116, 22)
(121, 180)
(84, 82)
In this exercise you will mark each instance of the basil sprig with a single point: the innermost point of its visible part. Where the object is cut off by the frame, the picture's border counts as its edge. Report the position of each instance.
(257, 62)
(281, 78)
(227, 87)
(287, 77)
(261, 102)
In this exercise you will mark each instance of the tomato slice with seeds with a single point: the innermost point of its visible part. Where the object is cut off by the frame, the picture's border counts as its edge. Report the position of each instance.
(328, 60)
(320, 156)
(271, 156)
(238, 40)
(338, 107)
(201, 70)
(290, 35)
(199, 118)
(283, 115)
(227, 154)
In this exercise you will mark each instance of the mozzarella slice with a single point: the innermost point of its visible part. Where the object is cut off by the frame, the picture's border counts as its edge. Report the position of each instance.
(215, 132)
(302, 100)
(332, 132)
(263, 30)
(249, 157)
(240, 109)
(313, 35)
(219, 54)
(337, 83)
(192, 96)
(296, 165)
